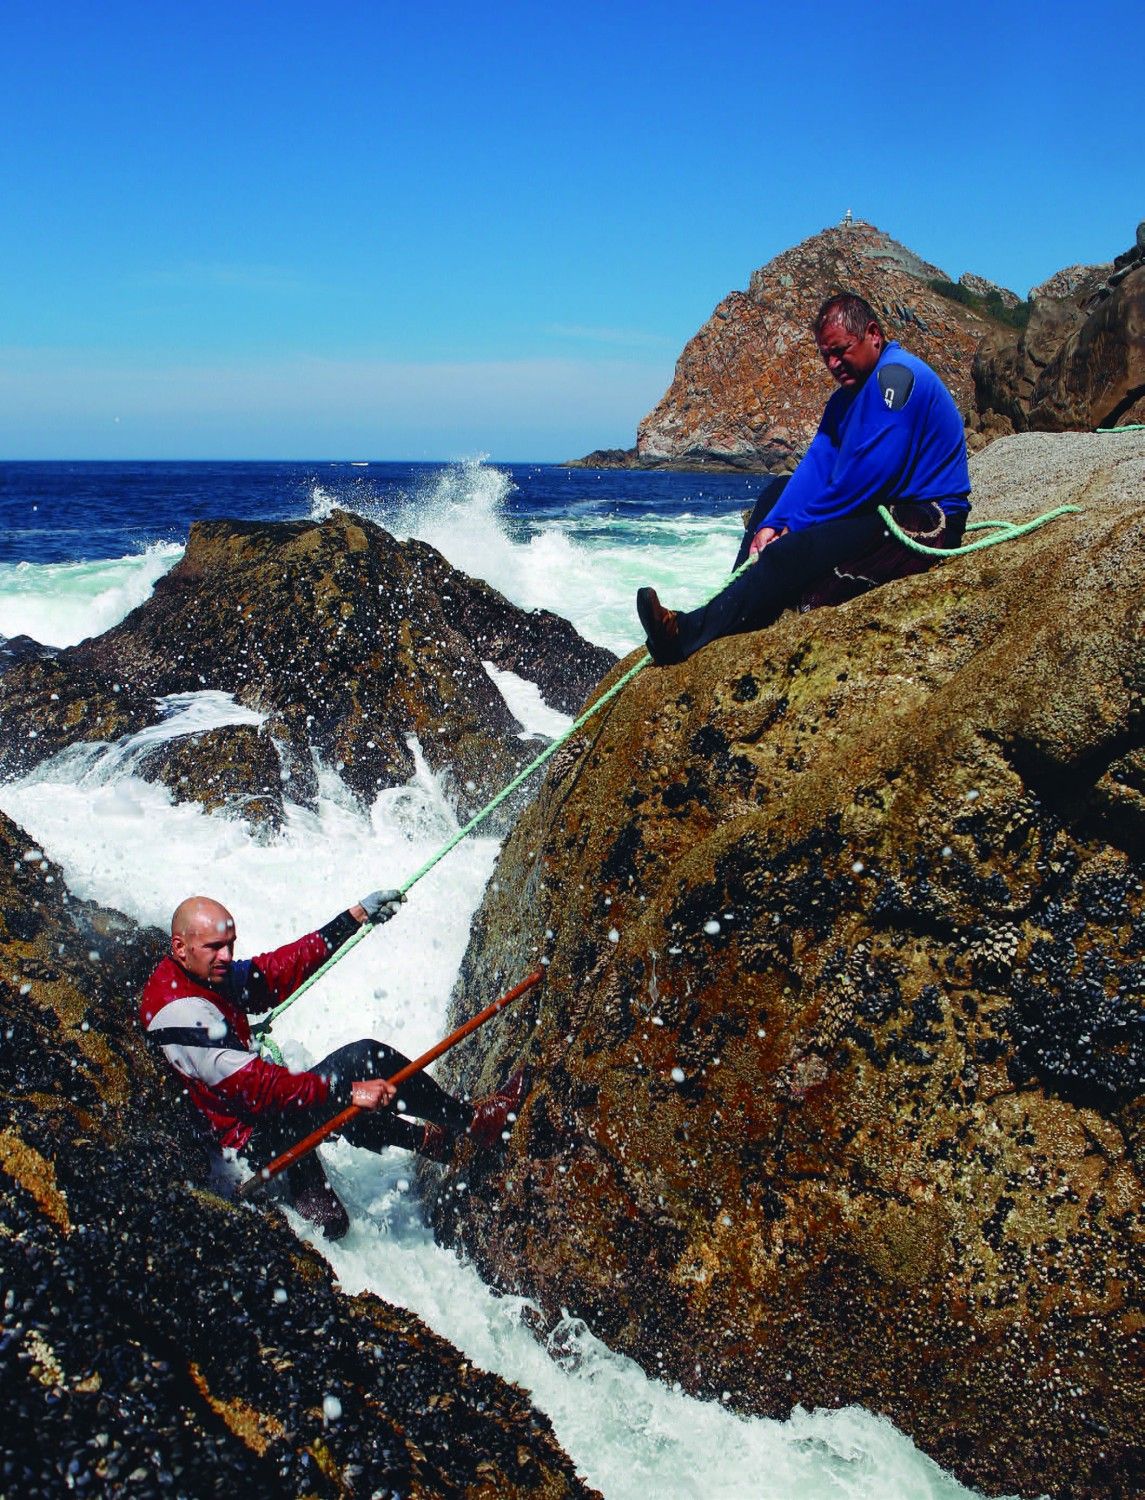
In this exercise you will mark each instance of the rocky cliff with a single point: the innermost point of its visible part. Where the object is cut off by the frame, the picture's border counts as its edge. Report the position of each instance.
(1080, 361)
(839, 1072)
(749, 387)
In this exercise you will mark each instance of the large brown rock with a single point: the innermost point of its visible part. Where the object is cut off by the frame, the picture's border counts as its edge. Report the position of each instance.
(839, 1067)
(1080, 361)
(1009, 365)
(158, 1339)
(1097, 378)
(749, 387)
(348, 641)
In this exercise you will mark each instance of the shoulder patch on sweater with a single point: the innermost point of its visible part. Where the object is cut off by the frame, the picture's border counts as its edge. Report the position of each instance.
(896, 383)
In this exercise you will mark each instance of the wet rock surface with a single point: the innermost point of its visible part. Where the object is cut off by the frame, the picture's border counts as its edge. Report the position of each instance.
(839, 1066)
(157, 1339)
(235, 769)
(348, 642)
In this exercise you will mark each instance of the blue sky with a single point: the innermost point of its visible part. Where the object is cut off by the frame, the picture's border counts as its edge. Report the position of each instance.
(384, 231)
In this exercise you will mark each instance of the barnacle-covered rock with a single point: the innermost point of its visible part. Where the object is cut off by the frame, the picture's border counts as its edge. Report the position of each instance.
(157, 1339)
(839, 1065)
(350, 643)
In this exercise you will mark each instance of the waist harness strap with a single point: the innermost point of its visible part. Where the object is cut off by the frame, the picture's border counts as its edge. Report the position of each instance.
(196, 1036)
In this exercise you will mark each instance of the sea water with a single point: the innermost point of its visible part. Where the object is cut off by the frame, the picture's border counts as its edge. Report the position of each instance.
(577, 542)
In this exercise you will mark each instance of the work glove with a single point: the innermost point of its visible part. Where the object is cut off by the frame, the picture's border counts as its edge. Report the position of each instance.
(380, 906)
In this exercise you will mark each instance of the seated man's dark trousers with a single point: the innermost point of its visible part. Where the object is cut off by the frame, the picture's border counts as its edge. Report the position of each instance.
(777, 580)
(785, 572)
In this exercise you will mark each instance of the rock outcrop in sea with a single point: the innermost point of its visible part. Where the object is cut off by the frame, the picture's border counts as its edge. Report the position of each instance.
(839, 1066)
(350, 644)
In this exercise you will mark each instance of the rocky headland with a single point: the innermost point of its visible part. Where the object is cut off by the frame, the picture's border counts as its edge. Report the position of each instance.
(839, 1069)
(749, 387)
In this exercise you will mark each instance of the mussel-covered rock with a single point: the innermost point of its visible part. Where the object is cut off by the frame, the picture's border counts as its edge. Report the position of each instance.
(351, 645)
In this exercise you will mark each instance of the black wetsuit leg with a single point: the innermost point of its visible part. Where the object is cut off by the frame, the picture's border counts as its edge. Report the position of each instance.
(374, 1129)
(777, 580)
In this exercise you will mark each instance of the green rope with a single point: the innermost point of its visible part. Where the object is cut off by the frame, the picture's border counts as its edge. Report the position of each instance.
(263, 1027)
(1007, 533)
(1002, 531)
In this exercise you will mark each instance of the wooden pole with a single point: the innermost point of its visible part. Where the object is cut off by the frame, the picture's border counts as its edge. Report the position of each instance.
(315, 1138)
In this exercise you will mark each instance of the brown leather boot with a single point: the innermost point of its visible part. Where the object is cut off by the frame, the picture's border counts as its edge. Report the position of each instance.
(436, 1143)
(661, 626)
(494, 1115)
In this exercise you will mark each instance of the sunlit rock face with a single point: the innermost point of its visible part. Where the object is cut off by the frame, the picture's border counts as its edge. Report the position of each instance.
(837, 1070)
(1080, 362)
(157, 1339)
(749, 387)
(349, 643)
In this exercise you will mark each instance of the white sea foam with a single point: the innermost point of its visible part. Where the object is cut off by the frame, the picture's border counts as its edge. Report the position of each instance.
(60, 604)
(523, 700)
(586, 568)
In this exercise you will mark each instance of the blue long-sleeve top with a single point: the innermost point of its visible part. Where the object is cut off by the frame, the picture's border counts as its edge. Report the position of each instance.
(897, 437)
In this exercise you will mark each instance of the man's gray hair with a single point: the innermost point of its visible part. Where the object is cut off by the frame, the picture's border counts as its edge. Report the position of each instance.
(849, 309)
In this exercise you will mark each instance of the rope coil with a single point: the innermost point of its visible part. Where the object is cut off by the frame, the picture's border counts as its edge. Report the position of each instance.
(1004, 531)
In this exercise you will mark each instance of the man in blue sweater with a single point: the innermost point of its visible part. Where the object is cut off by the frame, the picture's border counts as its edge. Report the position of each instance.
(891, 435)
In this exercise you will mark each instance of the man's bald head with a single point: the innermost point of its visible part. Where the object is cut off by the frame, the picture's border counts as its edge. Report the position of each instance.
(203, 939)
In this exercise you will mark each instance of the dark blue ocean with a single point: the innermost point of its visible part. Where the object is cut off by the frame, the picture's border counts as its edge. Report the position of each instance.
(73, 512)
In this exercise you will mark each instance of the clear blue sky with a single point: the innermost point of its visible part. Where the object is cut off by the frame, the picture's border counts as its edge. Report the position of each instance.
(381, 230)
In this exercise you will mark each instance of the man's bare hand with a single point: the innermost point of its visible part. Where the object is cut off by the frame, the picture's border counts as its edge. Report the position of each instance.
(372, 1093)
(764, 538)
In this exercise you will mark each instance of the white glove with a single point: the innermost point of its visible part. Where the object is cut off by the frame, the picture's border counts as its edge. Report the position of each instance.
(380, 906)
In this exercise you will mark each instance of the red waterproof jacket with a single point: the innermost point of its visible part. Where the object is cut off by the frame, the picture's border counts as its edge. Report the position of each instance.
(205, 1034)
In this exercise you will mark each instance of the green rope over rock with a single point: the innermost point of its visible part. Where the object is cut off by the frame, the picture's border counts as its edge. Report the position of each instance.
(1001, 531)
(267, 1044)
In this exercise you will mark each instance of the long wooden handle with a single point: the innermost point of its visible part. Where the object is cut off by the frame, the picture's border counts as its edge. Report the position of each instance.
(343, 1117)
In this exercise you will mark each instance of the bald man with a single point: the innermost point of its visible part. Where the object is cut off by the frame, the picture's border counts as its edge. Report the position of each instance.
(195, 1007)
